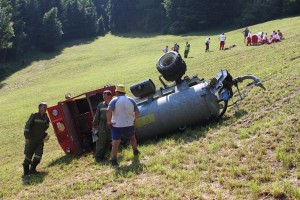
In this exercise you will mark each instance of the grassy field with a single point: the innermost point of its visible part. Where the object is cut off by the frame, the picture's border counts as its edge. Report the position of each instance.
(251, 154)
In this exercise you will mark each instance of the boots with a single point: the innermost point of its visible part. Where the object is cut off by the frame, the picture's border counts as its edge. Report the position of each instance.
(26, 164)
(34, 163)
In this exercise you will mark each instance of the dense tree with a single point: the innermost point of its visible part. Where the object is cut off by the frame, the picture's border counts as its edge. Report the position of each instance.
(80, 19)
(101, 27)
(151, 16)
(51, 30)
(6, 27)
(19, 43)
(123, 15)
(90, 18)
(257, 11)
(73, 19)
(101, 8)
(33, 22)
(291, 7)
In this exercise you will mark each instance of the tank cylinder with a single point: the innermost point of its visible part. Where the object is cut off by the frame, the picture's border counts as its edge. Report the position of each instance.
(184, 107)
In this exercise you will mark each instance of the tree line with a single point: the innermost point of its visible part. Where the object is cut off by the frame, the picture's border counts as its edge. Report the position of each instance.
(44, 24)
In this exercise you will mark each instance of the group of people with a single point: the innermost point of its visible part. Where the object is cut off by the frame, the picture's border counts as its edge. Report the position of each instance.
(114, 119)
(176, 48)
(222, 39)
(249, 39)
(261, 37)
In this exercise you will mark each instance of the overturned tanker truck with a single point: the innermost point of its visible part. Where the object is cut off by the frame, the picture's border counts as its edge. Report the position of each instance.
(186, 102)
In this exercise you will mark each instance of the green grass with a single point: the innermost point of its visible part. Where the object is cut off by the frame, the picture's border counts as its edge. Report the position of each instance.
(252, 154)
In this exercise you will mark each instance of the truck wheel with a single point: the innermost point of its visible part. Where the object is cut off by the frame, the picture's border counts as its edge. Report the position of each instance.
(171, 66)
(177, 74)
(223, 107)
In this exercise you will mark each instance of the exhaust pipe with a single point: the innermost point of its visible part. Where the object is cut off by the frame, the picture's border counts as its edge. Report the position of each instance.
(256, 81)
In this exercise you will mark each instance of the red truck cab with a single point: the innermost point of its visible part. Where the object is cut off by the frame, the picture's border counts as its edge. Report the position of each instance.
(72, 120)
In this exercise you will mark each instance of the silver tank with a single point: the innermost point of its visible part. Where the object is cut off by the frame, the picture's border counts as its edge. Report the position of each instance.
(183, 107)
(188, 102)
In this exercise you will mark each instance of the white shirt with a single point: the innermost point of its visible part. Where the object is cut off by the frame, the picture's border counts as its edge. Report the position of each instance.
(259, 34)
(265, 37)
(207, 40)
(123, 108)
(222, 38)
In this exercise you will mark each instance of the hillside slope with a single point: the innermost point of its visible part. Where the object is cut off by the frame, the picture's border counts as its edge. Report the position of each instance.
(251, 154)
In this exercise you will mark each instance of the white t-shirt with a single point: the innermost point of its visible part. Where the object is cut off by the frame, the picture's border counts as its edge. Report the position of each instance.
(123, 108)
(222, 38)
(259, 34)
(265, 37)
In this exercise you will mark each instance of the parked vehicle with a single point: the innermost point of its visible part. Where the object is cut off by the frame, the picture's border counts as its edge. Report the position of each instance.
(188, 101)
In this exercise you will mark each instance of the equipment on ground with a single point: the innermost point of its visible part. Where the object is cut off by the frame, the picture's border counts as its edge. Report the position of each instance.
(188, 101)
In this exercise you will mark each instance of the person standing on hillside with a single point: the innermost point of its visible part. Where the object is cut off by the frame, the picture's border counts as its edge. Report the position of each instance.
(122, 113)
(101, 128)
(35, 136)
(222, 39)
(175, 47)
(245, 33)
(166, 49)
(207, 41)
(187, 49)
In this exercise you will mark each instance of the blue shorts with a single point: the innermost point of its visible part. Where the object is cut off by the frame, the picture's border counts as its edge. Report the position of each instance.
(122, 132)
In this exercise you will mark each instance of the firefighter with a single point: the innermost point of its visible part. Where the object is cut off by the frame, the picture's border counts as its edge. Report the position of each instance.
(35, 136)
(103, 143)
(187, 49)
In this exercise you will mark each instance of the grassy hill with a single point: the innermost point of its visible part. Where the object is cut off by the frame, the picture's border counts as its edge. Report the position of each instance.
(251, 154)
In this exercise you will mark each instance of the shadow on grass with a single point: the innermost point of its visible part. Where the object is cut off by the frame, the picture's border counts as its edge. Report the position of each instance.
(2, 85)
(135, 167)
(191, 133)
(202, 32)
(240, 113)
(66, 159)
(34, 179)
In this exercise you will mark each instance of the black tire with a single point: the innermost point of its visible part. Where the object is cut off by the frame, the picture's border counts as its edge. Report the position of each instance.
(223, 110)
(177, 75)
(171, 66)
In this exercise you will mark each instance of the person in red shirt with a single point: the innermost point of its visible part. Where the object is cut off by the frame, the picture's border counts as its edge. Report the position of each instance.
(280, 34)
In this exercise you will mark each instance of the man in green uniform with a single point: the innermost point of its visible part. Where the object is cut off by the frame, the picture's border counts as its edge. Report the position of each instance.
(35, 135)
(187, 49)
(100, 123)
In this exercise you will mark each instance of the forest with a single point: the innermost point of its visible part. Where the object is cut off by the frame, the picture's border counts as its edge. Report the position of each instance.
(27, 25)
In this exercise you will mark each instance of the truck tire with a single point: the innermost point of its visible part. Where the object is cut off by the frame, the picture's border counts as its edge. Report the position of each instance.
(171, 66)
(177, 74)
(223, 110)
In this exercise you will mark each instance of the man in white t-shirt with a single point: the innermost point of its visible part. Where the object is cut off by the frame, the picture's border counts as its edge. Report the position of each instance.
(121, 114)
(222, 39)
